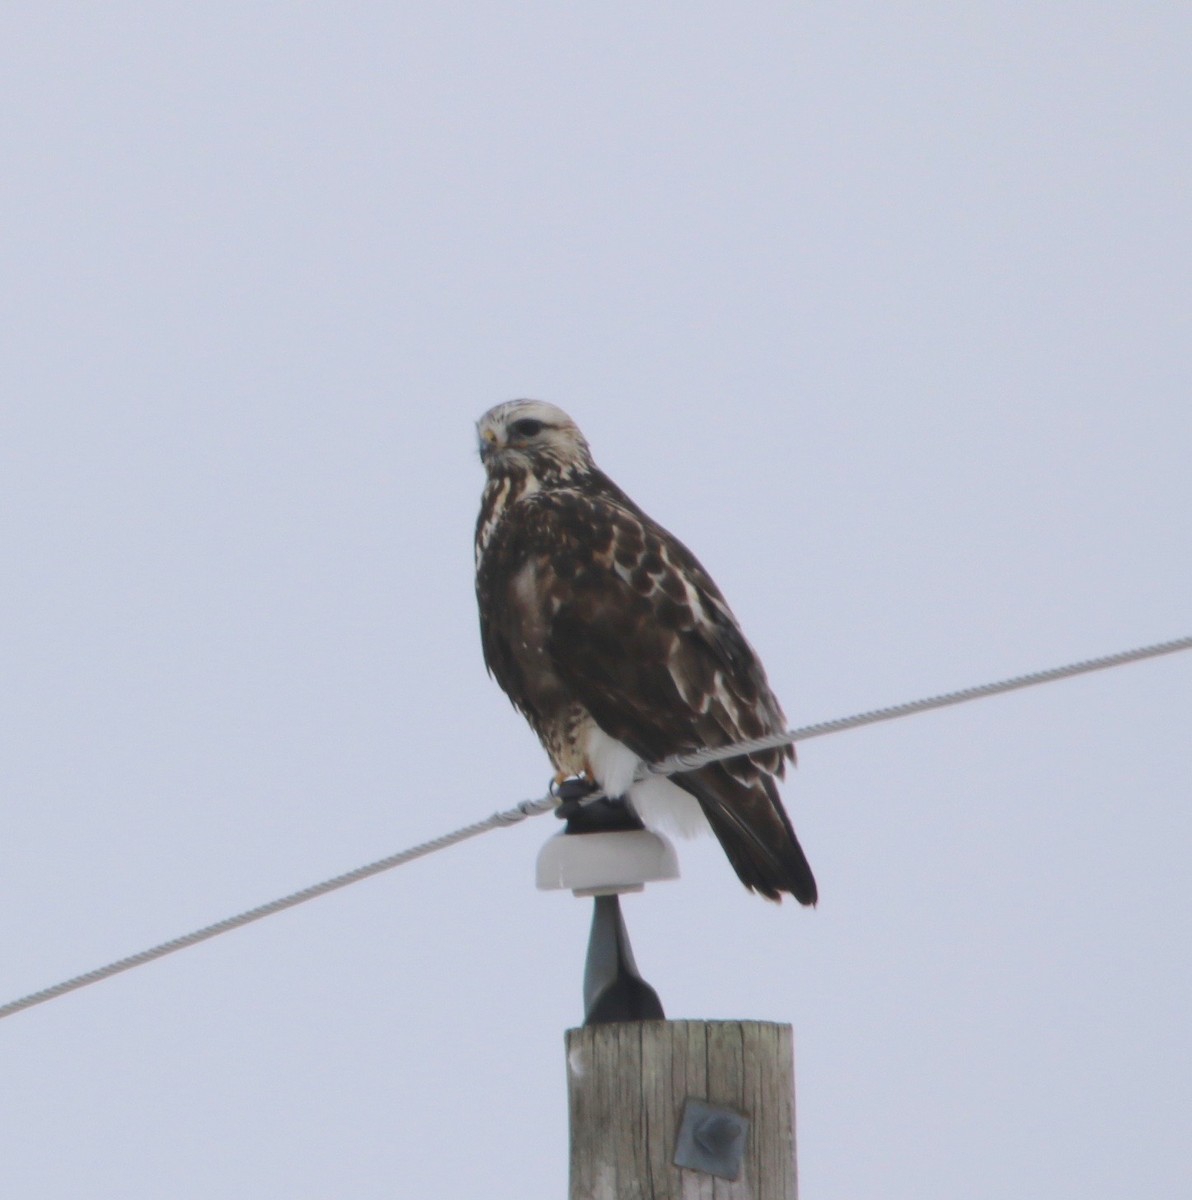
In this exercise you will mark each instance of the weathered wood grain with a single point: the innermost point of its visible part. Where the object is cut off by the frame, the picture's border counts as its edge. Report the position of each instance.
(627, 1084)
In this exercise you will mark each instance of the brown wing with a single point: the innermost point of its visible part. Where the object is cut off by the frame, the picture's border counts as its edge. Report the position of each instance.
(637, 631)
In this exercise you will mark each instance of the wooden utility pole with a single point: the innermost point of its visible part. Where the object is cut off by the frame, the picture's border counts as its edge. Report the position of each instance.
(717, 1096)
(660, 1110)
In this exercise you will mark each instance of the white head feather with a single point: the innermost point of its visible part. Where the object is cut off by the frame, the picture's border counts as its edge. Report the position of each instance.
(531, 436)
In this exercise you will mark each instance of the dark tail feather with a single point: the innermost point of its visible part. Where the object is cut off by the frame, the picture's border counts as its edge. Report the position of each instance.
(756, 833)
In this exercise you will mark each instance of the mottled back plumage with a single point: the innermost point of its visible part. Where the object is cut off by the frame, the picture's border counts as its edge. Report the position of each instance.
(615, 644)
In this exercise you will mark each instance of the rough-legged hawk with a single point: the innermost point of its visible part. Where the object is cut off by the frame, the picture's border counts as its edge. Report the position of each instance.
(614, 643)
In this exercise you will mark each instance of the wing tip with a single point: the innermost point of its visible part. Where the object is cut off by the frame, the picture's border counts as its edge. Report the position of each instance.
(803, 889)
(756, 834)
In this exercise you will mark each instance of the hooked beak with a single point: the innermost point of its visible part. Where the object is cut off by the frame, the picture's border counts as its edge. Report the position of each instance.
(488, 445)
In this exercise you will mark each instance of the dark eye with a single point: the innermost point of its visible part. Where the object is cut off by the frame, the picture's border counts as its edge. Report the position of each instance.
(527, 427)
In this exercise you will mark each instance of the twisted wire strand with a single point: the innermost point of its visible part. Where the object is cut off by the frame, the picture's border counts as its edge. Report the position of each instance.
(700, 758)
(527, 808)
(530, 808)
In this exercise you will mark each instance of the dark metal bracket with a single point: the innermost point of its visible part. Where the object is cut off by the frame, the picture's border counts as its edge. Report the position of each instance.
(582, 815)
(613, 988)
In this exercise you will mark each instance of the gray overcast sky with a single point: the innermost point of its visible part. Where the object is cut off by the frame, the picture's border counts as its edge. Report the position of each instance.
(884, 309)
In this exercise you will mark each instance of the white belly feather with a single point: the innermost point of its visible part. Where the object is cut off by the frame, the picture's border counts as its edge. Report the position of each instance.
(659, 803)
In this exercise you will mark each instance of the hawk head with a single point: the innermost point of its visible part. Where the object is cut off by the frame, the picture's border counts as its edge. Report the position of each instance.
(534, 438)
